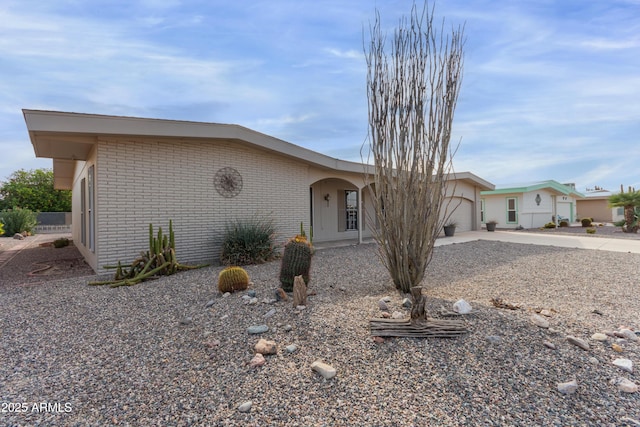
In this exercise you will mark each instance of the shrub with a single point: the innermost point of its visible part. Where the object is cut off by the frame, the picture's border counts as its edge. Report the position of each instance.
(591, 231)
(550, 225)
(61, 243)
(233, 279)
(18, 220)
(586, 222)
(564, 224)
(1, 229)
(249, 242)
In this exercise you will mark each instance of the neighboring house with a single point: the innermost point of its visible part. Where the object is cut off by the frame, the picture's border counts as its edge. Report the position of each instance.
(595, 205)
(530, 205)
(128, 172)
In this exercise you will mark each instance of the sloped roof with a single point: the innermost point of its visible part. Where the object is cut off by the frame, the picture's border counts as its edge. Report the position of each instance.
(551, 185)
(66, 137)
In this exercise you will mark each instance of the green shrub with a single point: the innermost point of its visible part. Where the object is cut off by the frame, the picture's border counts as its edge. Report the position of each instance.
(591, 231)
(1, 229)
(564, 224)
(586, 222)
(18, 220)
(550, 225)
(249, 242)
(61, 243)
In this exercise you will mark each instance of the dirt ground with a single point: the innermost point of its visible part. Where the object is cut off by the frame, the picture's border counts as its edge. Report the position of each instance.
(35, 260)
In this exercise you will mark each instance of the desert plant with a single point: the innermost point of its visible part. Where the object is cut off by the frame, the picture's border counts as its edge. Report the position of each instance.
(160, 259)
(233, 279)
(630, 202)
(1, 229)
(296, 261)
(303, 234)
(586, 222)
(591, 230)
(249, 241)
(550, 225)
(18, 220)
(61, 243)
(564, 223)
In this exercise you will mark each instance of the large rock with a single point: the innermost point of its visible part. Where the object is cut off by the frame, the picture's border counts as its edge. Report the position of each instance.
(327, 371)
(539, 321)
(624, 364)
(266, 347)
(568, 387)
(578, 342)
(625, 385)
(257, 361)
(462, 307)
(257, 329)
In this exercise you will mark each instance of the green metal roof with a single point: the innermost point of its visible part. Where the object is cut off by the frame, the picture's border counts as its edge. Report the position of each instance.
(543, 185)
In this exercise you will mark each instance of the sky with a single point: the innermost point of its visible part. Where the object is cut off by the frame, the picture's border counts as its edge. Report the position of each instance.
(551, 89)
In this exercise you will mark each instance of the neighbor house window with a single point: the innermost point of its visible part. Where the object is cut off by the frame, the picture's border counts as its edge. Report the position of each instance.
(512, 210)
(83, 211)
(620, 211)
(351, 209)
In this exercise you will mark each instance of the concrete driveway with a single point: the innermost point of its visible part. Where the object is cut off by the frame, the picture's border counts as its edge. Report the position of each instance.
(564, 241)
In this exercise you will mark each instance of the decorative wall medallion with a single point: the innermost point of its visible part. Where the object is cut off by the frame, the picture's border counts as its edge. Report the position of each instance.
(228, 182)
(538, 199)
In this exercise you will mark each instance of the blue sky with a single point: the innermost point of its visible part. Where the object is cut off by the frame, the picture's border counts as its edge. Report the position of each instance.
(551, 88)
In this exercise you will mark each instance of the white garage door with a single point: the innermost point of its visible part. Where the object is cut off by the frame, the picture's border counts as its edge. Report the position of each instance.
(462, 214)
(564, 210)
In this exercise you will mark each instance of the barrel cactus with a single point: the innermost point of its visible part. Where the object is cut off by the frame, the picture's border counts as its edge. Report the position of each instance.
(233, 279)
(296, 261)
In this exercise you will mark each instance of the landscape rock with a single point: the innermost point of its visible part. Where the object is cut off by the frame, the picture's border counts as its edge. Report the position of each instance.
(382, 305)
(385, 315)
(281, 295)
(406, 303)
(252, 293)
(266, 347)
(625, 385)
(540, 321)
(397, 315)
(568, 387)
(578, 342)
(624, 364)
(327, 371)
(252, 301)
(549, 344)
(627, 334)
(599, 337)
(18, 236)
(291, 348)
(594, 361)
(301, 307)
(257, 329)
(462, 307)
(494, 339)
(387, 299)
(186, 321)
(257, 361)
(245, 407)
(210, 303)
(287, 328)
(270, 313)
(378, 340)
(616, 347)
(546, 313)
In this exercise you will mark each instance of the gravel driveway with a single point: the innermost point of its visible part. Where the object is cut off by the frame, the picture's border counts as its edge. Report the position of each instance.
(176, 352)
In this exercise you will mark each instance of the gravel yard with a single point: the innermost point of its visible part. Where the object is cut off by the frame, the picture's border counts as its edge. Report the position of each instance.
(155, 354)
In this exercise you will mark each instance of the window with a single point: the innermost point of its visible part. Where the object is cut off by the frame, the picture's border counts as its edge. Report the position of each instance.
(83, 211)
(351, 210)
(482, 220)
(512, 210)
(91, 211)
(620, 211)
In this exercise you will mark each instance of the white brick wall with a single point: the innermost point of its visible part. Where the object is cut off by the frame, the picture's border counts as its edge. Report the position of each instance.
(151, 181)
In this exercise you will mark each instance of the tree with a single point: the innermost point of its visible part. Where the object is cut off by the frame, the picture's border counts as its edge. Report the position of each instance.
(630, 202)
(412, 93)
(34, 190)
